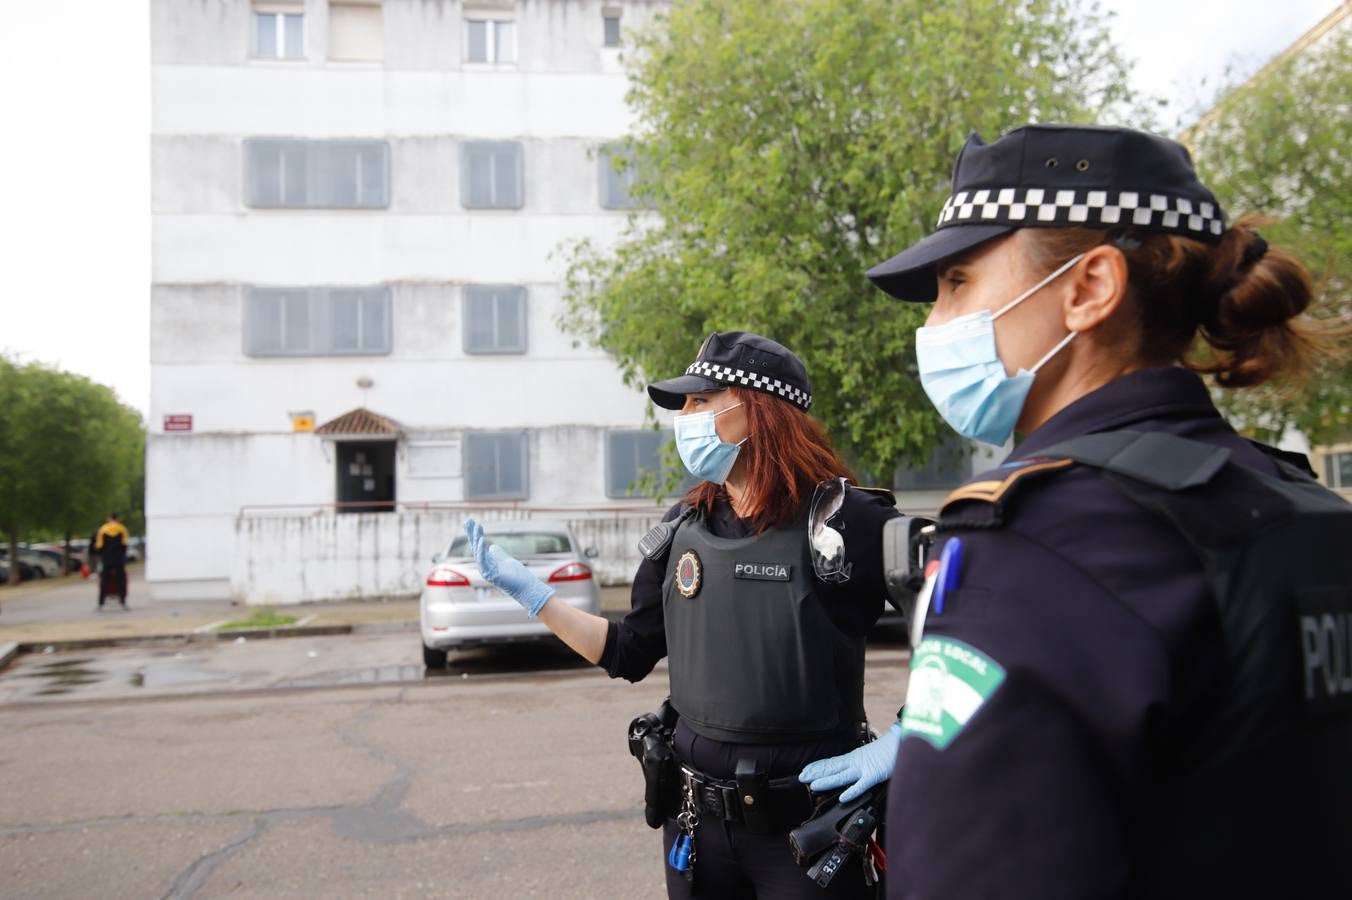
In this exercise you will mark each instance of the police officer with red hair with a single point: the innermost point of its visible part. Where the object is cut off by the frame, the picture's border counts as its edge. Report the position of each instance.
(759, 588)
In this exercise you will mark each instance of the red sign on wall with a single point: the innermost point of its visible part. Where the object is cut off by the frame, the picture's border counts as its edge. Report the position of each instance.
(180, 422)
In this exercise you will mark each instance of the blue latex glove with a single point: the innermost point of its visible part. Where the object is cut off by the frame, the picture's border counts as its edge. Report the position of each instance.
(865, 766)
(503, 571)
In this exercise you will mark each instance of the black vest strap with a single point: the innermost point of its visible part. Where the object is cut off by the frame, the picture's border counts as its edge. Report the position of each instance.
(1159, 459)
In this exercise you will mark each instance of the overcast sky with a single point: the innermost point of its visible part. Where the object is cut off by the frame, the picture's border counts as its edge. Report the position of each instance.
(76, 110)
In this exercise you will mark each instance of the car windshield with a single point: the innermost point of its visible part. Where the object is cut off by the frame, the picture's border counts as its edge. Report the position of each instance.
(521, 544)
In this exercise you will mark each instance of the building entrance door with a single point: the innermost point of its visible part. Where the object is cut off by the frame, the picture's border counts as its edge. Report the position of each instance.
(366, 476)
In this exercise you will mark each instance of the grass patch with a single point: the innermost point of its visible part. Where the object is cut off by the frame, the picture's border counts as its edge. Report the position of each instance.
(263, 617)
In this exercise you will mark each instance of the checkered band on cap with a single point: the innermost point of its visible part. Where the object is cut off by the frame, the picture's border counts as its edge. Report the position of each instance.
(1082, 208)
(795, 395)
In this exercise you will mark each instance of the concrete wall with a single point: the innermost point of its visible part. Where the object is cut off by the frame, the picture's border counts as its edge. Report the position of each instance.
(368, 247)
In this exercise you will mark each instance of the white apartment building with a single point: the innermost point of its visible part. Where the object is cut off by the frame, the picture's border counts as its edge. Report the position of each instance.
(357, 213)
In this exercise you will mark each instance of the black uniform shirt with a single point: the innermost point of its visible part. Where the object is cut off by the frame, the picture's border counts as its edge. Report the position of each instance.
(1105, 642)
(636, 643)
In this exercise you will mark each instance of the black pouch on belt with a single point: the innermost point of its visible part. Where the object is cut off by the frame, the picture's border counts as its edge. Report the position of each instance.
(753, 790)
(823, 830)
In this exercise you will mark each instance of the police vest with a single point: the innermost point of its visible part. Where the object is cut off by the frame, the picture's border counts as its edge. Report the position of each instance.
(1257, 800)
(752, 654)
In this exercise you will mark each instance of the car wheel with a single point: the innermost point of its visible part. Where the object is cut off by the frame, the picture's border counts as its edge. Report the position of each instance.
(433, 658)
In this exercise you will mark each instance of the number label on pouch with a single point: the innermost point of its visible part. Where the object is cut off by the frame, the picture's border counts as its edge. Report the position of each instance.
(761, 571)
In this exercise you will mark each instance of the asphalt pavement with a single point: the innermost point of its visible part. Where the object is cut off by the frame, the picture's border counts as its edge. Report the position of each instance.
(330, 766)
(180, 765)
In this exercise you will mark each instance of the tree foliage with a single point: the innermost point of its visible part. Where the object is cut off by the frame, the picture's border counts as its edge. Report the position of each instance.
(785, 146)
(1280, 144)
(70, 453)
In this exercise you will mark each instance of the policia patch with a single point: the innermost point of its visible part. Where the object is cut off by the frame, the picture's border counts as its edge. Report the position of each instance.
(1326, 648)
(689, 574)
(950, 681)
(761, 571)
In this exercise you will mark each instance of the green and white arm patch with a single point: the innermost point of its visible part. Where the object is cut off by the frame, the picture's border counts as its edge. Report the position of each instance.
(949, 682)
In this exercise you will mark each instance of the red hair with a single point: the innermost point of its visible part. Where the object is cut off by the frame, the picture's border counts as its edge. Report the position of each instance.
(786, 455)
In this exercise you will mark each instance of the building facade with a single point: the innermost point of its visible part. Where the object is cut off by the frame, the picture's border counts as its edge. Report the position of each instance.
(358, 210)
(359, 206)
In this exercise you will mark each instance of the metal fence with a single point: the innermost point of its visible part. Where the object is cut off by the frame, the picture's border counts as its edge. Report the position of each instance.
(296, 554)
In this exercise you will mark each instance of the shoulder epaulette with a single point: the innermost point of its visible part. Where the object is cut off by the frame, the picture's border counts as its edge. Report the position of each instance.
(981, 502)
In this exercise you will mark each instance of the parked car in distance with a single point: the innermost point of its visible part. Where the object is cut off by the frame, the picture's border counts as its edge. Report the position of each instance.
(56, 557)
(459, 608)
(41, 566)
(26, 573)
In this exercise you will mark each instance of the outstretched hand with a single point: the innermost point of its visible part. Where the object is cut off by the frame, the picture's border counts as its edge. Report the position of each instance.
(500, 569)
(861, 768)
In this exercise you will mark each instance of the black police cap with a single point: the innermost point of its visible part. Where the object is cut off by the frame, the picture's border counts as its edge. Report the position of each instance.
(742, 359)
(1057, 176)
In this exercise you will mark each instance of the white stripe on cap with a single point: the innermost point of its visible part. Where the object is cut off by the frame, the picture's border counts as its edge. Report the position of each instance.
(1089, 208)
(795, 395)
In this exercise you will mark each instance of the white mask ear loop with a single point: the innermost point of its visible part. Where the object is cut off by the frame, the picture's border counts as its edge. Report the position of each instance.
(1055, 350)
(729, 409)
(1037, 287)
(748, 434)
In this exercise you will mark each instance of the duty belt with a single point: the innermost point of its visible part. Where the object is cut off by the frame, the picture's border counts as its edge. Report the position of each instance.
(762, 804)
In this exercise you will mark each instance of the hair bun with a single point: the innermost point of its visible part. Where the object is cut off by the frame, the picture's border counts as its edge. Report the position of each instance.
(1258, 291)
(1253, 304)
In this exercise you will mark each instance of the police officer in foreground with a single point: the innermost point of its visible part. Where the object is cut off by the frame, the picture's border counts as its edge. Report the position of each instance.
(1135, 675)
(759, 588)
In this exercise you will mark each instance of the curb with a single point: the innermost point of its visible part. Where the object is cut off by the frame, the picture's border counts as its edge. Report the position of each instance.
(9, 651)
(257, 634)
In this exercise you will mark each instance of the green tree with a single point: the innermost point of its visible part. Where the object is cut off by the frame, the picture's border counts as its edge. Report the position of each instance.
(1280, 144)
(786, 146)
(70, 453)
(19, 504)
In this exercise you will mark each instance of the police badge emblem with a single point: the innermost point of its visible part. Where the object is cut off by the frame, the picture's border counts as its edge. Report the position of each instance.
(688, 574)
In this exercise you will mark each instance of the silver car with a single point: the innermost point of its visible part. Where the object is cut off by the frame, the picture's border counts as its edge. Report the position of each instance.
(459, 608)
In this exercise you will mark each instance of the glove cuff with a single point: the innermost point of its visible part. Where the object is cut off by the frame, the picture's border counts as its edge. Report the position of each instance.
(536, 598)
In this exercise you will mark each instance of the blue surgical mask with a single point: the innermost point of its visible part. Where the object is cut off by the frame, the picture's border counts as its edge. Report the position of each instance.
(964, 377)
(705, 454)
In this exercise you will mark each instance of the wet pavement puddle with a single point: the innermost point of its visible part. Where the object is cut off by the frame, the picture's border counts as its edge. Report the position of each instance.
(340, 662)
(158, 675)
(64, 676)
